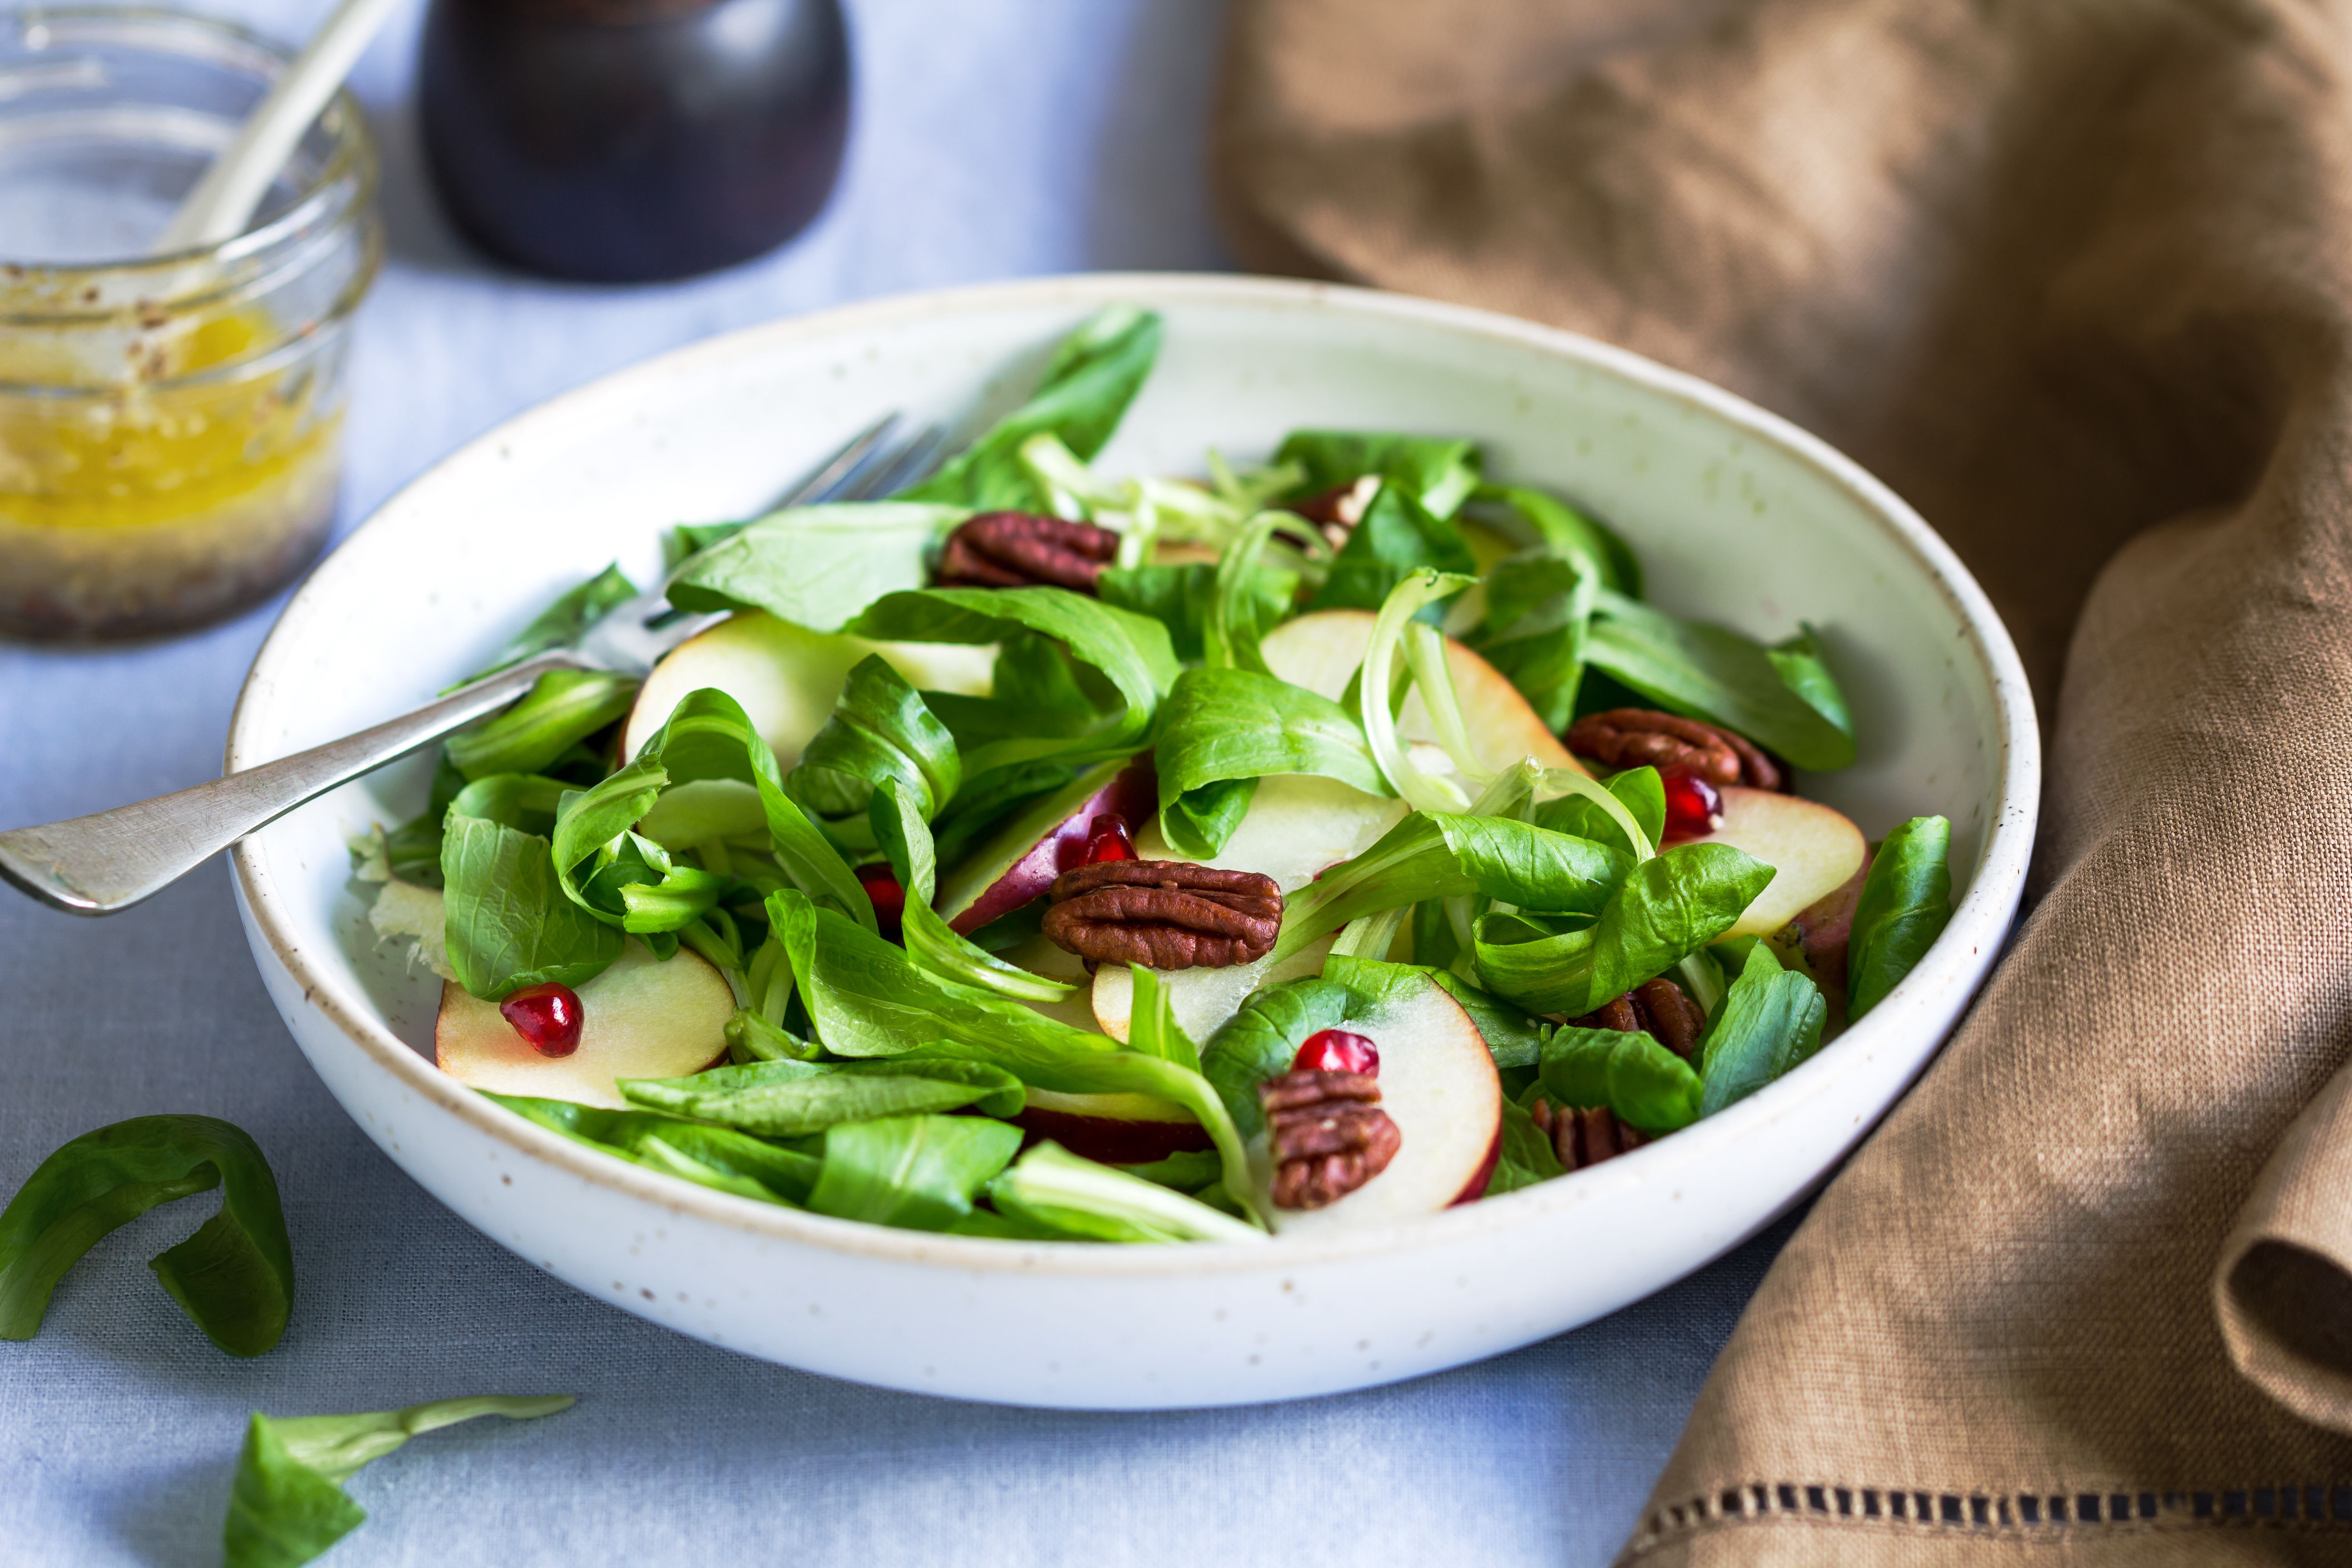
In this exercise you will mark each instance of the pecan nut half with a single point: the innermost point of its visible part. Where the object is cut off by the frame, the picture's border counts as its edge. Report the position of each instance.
(1024, 550)
(1327, 1134)
(1584, 1136)
(1164, 914)
(1657, 1008)
(1643, 737)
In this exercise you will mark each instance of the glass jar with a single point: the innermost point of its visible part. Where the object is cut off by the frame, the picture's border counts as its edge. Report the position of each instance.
(170, 427)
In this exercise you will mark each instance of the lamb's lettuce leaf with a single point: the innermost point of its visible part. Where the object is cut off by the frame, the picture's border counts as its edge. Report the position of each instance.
(1770, 1021)
(1527, 1156)
(880, 729)
(918, 1173)
(1180, 598)
(1645, 1084)
(817, 566)
(561, 709)
(1152, 1028)
(1395, 539)
(1550, 524)
(1804, 668)
(899, 829)
(1060, 1193)
(1539, 612)
(1707, 672)
(1640, 791)
(508, 921)
(233, 1276)
(1907, 901)
(1262, 1039)
(1093, 374)
(1513, 1037)
(563, 623)
(718, 1157)
(1670, 905)
(1439, 474)
(1235, 726)
(287, 1503)
(793, 1099)
(1127, 652)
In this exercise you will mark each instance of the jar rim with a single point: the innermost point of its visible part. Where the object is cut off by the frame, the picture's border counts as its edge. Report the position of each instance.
(150, 26)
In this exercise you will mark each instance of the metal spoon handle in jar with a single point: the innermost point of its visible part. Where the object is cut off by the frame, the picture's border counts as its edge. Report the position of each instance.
(99, 864)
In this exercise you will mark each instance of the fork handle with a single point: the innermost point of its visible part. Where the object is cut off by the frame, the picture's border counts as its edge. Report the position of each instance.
(99, 864)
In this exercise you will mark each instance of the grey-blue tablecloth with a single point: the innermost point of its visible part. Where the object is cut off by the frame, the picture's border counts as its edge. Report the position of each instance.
(992, 138)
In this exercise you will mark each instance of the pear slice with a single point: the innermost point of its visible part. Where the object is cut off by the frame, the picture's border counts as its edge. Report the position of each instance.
(788, 678)
(1438, 1084)
(641, 1018)
(1813, 849)
(1322, 652)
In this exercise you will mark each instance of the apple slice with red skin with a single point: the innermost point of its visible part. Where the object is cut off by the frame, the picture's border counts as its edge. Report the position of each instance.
(789, 678)
(641, 1018)
(1045, 840)
(1322, 652)
(1113, 1129)
(1813, 849)
(1438, 1084)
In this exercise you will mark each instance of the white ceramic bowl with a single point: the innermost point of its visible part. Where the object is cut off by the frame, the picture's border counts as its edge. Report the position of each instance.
(1736, 514)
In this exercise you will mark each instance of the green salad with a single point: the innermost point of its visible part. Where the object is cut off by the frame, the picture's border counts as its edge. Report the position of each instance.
(1047, 856)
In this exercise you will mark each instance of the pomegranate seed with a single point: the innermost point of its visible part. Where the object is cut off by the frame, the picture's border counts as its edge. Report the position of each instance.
(1107, 840)
(881, 885)
(1337, 1050)
(1694, 806)
(548, 1017)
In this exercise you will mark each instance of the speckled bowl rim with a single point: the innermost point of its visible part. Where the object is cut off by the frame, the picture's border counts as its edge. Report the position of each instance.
(1980, 921)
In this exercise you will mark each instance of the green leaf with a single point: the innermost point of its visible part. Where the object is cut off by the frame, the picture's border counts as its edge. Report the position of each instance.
(1181, 597)
(562, 708)
(508, 919)
(1527, 1156)
(1514, 1038)
(563, 623)
(1538, 613)
(898, 828)
(1437, 855)
(1232, 727)
(1639, 790)
(1770, 1020)
(817, 566)
(1439, 474)
(1905, 903)
(413, 850)
(1262, 1039)
(786, 1099)
(287, 1505)
(656, 1139)
(1095, 374)
(919, 1172)
(1057, 1191)
(1152, 1029)
(1706, 672)
(1805, 669)
(1669, 906)
(234, 1278)
(1645, 1084)
(879, 730)
(1395, 539)
(1557, 529)
(1129, 653)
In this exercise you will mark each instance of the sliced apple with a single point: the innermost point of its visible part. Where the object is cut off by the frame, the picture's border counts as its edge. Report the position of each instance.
(788, 678)
(1045, 840)
(1298, 826)
(1201, 999)
(640, 1018)
(1814, 849)
(1322, 652)
(1115, 1129)
(1439, 1086)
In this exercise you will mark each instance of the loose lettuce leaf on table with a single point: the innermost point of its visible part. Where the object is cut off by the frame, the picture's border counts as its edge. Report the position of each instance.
(287, 1503)
(1059, 1193)
(1707, 672)
(1129, 652)
(1645, 1084)
(1770, 1021)
(1093, 374)
(817, 566)
(1234, 726)
(919, 1172)
(1669, 906)
(234, 1278)
(1905, 903)
(1438, 473)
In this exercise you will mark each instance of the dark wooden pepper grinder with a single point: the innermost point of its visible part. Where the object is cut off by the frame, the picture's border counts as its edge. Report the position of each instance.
(626, 140)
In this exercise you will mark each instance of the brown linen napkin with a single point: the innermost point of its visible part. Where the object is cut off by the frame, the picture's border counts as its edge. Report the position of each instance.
(2075, 275)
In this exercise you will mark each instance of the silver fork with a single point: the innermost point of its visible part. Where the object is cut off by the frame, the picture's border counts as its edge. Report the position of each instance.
(99, 864)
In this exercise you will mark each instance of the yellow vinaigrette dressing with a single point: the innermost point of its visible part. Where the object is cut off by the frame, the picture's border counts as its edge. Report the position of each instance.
(198, 481)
